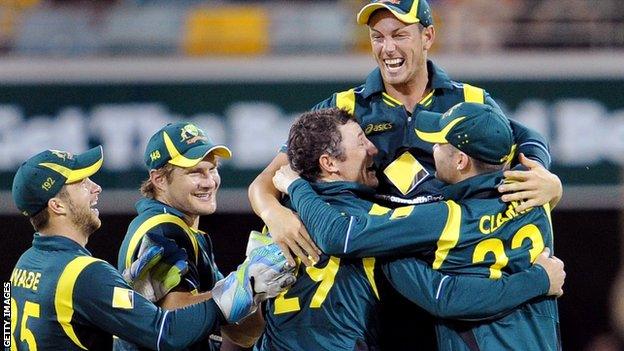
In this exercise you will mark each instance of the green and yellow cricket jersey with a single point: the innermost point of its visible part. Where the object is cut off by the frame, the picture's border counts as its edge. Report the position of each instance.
(334, 305)
(405, 162)
(473, 233)
(65, 299)
(155, 217)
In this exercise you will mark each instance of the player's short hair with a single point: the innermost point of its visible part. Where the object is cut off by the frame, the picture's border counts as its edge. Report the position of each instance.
(313, 134)
(484, 167)
(147, 187)
(40, 220)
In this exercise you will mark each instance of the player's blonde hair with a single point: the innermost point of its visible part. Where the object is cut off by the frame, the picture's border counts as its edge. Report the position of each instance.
(147, 187)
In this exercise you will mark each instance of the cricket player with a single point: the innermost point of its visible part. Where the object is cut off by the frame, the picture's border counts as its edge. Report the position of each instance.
(65, 299)
(472, 232)
(182, 186)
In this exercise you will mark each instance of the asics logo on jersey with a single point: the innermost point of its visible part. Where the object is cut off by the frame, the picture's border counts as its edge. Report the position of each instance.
(376, 128)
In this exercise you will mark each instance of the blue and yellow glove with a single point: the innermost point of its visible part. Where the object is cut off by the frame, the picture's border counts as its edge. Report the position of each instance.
(257, 239)
(263, 275)
(159, 267)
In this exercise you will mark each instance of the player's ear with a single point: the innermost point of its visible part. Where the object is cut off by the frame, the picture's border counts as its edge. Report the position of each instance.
(463, 161)
(427, 37)
(57, 205)
(327, 164)
(158, 179)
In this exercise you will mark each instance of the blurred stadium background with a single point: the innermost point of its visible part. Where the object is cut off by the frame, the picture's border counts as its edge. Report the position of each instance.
(79, 73)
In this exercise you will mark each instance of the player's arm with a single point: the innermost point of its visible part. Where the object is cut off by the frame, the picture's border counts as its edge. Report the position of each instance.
(473, 298)
(247, 332)
(360, 234)
(110, 304)
(286, 229)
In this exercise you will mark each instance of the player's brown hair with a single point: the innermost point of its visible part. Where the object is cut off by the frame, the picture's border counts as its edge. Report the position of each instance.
(313, 134)
(147, 187)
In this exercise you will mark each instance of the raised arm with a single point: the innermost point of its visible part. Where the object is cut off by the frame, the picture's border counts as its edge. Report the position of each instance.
(473, 298)
(286, 228)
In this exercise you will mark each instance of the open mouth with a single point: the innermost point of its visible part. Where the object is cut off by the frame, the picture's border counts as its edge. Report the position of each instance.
(92, 207)
(203, 196)
(394, 64)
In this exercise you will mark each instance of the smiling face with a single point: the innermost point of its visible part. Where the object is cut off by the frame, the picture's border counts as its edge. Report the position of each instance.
(81, 198)
(400, 49)
(356, 165)
(193, 190)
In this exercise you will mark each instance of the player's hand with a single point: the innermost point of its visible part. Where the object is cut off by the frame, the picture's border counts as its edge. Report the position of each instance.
(159, 267)
(554, 268)
(289, 233)
(534, 187)
(284, 177)
(263, 275)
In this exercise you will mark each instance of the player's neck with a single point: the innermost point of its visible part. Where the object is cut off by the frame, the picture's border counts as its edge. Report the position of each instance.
(65, 229)
(410, 93)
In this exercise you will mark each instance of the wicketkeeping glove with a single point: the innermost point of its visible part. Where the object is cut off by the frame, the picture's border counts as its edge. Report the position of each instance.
(159, 267)
(263, 275)
(257, 239)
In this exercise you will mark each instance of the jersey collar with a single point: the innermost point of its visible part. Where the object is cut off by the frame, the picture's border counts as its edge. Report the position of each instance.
(334, 188)
(57, 243)
(483, 186)
(437, 76)
(151, 205)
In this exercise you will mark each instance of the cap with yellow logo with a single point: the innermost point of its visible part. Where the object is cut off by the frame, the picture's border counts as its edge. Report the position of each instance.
(181, 144)
(42, 176)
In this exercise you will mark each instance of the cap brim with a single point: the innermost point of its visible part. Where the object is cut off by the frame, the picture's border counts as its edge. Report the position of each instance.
(194, 155)
(432, 128)
(364, 15)
(86, 165)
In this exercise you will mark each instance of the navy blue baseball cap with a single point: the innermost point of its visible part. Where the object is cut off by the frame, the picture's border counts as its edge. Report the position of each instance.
(42, 176)
(406, 11)
(479, 130)
(181, 144)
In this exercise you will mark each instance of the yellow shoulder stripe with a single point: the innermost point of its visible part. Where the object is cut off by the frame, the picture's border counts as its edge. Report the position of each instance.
(151, 223)
(346, 100)
(473, 94)
(63, 299)
(450, 234)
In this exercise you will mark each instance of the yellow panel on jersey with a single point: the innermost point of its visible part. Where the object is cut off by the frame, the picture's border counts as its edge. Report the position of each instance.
(63, 298)
(123, 298)
(346, 100)
(405, 172)
(151, 223)
(473, 94)
(402, 212)
(450, 234)
(378, 210)
(369, 268)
